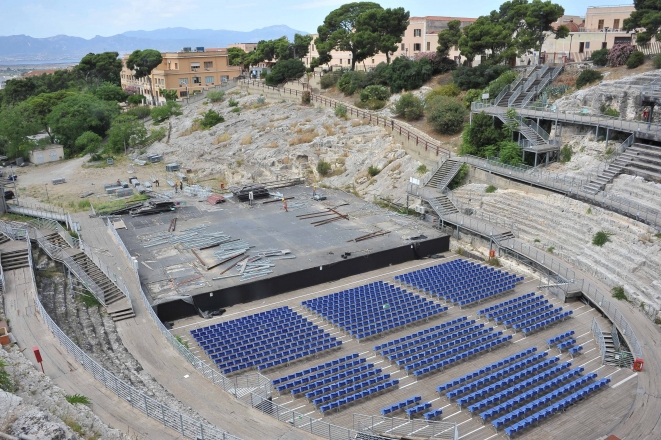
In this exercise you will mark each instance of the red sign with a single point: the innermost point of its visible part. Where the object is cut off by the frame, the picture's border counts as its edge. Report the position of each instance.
(37, 355)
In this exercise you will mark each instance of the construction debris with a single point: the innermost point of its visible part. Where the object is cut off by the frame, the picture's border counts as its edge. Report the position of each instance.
(243, 192)
(258, 265)
(173, 225)
(368, 236)
(150, 207)
(215, 199)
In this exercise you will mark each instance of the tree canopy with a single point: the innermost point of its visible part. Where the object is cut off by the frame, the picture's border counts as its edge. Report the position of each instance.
(647, 16)
(386, 27)
(142, 63)
(236, 56)
(280, 49)
(448, 38)
(104, 66)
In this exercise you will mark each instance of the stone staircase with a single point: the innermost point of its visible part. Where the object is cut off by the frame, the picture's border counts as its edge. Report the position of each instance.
(112, 294)
(442, 205)
(444, 175)
(56, 239)
(14, 259)
(529, 133)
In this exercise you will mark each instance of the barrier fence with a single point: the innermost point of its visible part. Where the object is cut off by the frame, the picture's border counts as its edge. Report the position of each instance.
(396, 426)
(599, 336)
(254, 389)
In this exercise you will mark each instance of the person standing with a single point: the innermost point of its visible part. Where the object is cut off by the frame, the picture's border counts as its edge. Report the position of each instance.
(181, 185)
(284, 204)
(314, 191)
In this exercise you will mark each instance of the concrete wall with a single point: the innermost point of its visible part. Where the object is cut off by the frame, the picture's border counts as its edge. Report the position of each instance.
(477, 175)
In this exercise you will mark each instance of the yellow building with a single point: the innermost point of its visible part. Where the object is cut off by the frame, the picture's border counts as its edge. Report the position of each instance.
(187, 72)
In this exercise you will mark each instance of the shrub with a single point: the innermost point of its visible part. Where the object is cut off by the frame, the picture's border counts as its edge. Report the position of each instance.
(461, 176)
(490, 189)
(408, 75)
(78, 398)
(619, 54)
(565, 154)
(471, 96)
(609, 111)
(438, 64)
(323, 167)
(341, 111)
(233, 103)
(88, 299)
(510, 153)
(160, 114)
(618, 293)
(373, 171)
(88, 142)
(140, 112)
(374, 92)
(493, 261)
(409, 106)
(587, 77)
(351, 81)
(480, 137)
(110, 92)
(657, 61)
(135, 99)
(329, 79)
(422, 169)
(6, 384)
(446, 115)
(216, 96)
(637, 58)
(477, 77)
(498, 84)
(371, 104)
(550, 250)
(600, 57)
(450, 90)
(236, 110)
(211, 118)
(284, 70)
(306, 97)
(601, 238)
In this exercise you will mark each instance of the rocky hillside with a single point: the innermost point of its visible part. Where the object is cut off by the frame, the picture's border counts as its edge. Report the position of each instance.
(267, 141)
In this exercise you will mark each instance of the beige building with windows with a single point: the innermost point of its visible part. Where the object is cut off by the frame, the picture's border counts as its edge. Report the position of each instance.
(187, 72)
(420, 36)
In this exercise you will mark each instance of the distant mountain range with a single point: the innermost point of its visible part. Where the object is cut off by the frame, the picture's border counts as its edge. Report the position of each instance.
(64, 47)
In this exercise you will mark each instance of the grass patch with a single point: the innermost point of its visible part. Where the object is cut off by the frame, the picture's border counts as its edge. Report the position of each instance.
(195, 126)
(565, 154)
(74, 426)
(537, 240)
(117, 204)
(233, 103)
(6, 384)
(329, 129)
(618, 293)
(589, 211)
(601, 238)
(9, 216)
(181, 340)
(550, 250)
(78, 398)
(246, 140)
(658, 235)
(422, 169)
(236, 110)
(460, 251)
(323, 167)
(490, 189)
(222, 138)
(493, 261)
(304, 138)
(89, 300)
(373, 171)
(341, 111)
(273, 144)
(84, 204)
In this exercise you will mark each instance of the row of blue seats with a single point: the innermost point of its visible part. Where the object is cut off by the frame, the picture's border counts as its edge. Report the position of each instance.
(433, 340)
(433, 413)
(420, 333)
(242, 341)
(452, 287)
(484, 370)
(339, 312)
(368, 299)
(314, 369)
(496, 375)
(355, 322)
(482, 296)
(361, 394)
(399, 405)
(461, 355)
(520, 398)
(554, 340)
(512, 316)
(274, 343)
(517, 388)
(558, 406)
(257, 326)
(227, 360)
(418, 408)
(574, 350)
(458, 277)
(347, 368)
(349, 390)
(554, 393)
(427, 356)
(566, 344)
(246, 319)
(530, 316)
(464, 294)
(304, 352)
(496, 314)
(505, 303)
(374, 329)
(451, 267)
(426, 338)
(252, 335)
(514, 378)
(283, 357)
(549, 321)
(361, 373)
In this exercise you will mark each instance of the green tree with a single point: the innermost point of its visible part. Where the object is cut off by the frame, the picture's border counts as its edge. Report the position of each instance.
(236, 56)
(16, 124)
(481, 136)
(143, 62)
(448, 38)
(387, 27)
(106, 66)
(446, 114)
(340, 32)
(110, 92)
(301, 45)
(169, 95)
(284, 70)
(88, 142)
(19, 89)
(487, 37)
(406, 74)
(600, 57)
(510, 153)
(80, 113)
(409, 106)
(136, 99)
(647, 16)
(539, 17)
(126, 132)
(41, 105)
(163, 112)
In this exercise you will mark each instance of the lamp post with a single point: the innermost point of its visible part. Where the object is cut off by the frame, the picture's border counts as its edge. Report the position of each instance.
(605, 35)
(541, 35)
(571, 37)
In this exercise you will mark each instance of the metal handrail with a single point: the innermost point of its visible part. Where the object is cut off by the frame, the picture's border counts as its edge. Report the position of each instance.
(543, 70)
(539, 130)
(599, 336)
(518, 79)
(501, 94)
(528, 97)
(512, 98)
(530, 80)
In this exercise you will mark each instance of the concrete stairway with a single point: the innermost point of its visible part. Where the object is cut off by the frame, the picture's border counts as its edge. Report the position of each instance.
(444, 175)
(56, 239)
(606, 176)
(111, 293)
(14, 259)
(644, 160)
(442, 205)
(526, 131)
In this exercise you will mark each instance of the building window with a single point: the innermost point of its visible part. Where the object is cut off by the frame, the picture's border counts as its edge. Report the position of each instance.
(428, 46)
(340, 60)
(587, 44)
(208, 79)
(194, 66)
(372, 60)
(402, 49)
(183, 81)
(616, 23)
(600, 26)
(208, 65)
(417, 32)
(224, 78)
(183, 93)
(416, 47)
(176, 66)
(197, 80)
(312, 48)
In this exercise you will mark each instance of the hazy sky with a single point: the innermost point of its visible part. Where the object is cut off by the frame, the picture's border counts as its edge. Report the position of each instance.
(85, 18)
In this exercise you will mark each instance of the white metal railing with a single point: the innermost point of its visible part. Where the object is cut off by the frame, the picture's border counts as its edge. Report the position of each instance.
(511, 99)
(531, 79)
(610, 159)
(599, 336)
(502, 93)
(397, 426)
